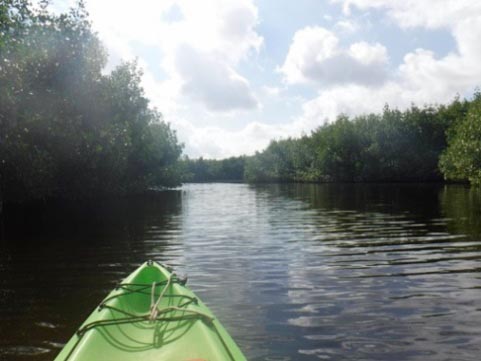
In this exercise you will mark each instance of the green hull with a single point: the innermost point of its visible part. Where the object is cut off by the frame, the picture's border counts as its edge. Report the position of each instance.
(124, 327)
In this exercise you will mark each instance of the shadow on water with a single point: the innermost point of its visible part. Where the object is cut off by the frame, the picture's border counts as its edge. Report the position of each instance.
(58, 261)
(47, 222)
(386, 198)
(461, 205)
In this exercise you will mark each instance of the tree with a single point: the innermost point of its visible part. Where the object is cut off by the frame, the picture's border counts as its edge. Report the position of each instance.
(462, 159)
(66, 129)
(392, 146)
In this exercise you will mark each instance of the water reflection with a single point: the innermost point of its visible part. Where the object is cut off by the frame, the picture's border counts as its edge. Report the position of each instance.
(461, 205)
(295, 272)
(57, 263)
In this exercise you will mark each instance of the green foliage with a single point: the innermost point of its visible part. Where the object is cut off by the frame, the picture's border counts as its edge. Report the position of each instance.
(284, 160)
(391, 146)
(66, 129)
(462, 158)
(211, 170)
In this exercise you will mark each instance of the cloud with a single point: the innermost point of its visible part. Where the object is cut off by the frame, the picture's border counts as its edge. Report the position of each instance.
(272, 91)
(352, 100)
(422, 77)
(216, 142)
(202, 51)
(213, 82)
(430, 14)
(315, 56)
(346, 26)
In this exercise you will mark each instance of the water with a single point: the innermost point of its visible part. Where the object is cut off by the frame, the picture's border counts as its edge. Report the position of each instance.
(294, 272)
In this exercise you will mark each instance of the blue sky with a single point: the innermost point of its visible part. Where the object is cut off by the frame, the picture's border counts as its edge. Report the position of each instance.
(230, 75)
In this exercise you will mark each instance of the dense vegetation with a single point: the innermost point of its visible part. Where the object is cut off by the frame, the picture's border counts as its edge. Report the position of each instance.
(67, 130)
(211, 170)
(425, 144)
(462, 159)
(418, 144)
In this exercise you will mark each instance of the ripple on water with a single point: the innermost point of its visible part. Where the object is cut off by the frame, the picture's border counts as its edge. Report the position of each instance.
(31, 351)
(295, 272)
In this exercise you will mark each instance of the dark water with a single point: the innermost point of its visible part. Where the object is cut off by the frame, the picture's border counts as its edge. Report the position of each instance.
(295, 272)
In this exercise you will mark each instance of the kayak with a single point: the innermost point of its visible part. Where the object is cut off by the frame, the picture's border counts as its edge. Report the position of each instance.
(151, 315)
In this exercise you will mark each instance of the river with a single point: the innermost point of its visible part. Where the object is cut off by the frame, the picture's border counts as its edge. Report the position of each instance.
(294, 272)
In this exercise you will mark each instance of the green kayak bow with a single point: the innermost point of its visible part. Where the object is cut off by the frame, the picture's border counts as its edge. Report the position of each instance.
(151, 316)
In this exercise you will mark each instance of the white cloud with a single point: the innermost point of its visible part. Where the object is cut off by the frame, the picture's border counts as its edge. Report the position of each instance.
(352, 100)
(316, 56)
(346, 26)
(430, 14)
(216, 142)
(327, 17)
(367, 54)
(422, 77)
(272, 91)
(212, 82)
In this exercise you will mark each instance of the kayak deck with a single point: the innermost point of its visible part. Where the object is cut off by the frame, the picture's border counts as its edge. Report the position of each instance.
(151, 316)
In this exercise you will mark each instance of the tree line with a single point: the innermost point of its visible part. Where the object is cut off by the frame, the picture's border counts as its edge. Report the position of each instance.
(71, 130)
(430, 143)
(212, 170)
(68, 129)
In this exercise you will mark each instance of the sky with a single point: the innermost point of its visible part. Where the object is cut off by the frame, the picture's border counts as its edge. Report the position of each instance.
(231, 75)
